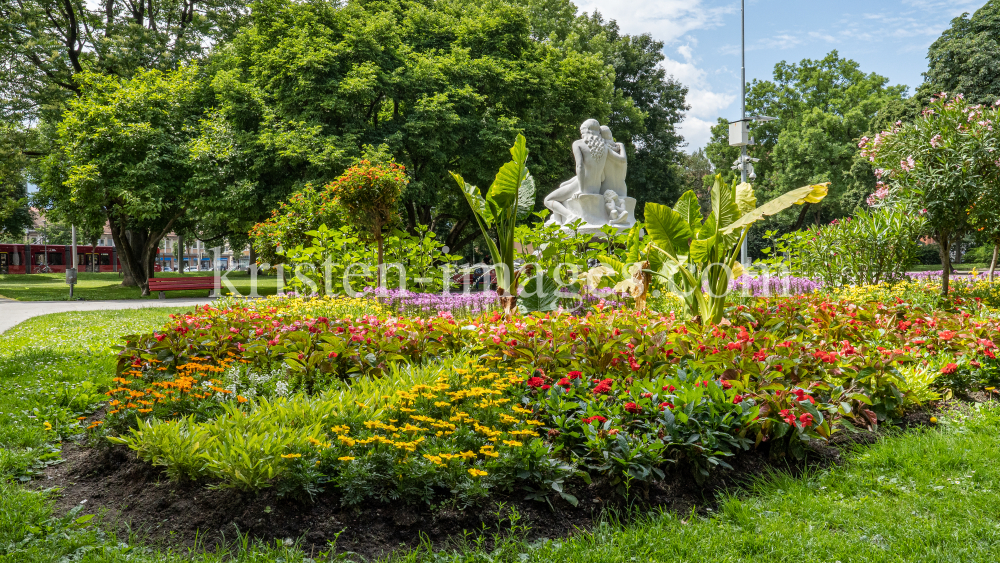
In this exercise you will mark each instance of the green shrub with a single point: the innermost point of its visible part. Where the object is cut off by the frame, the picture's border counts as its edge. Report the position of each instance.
(872, 247)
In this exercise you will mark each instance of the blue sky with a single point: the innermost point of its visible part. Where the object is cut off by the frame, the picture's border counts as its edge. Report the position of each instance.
(702, 41)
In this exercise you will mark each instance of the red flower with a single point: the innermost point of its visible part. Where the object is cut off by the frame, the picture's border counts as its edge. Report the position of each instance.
(603, 387)
(760, 356)
(806, 419)
(546, 387)
(534, 382)
(787, 416)
(950, 368)
(726, 384)
(574, 374)
(632, 408)
(564, 382)
(737, 399)
(666, 405)
(159, 337)
(599, 419)
(647, 395)
(670, 388)
(946, 335)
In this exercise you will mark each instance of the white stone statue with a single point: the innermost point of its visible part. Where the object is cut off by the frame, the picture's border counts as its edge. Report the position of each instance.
(601, 165)
(617, 214)
(615, 166)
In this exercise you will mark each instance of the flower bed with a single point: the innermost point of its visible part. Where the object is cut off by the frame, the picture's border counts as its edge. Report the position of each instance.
(612, 394)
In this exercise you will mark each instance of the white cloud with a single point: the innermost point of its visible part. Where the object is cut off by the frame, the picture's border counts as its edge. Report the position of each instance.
(666, 20)
(671, 21)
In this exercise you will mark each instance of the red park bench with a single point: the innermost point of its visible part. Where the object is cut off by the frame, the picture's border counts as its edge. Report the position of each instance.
(163, 285)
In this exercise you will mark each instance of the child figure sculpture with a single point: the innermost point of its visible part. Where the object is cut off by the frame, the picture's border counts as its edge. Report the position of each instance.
(617, 213)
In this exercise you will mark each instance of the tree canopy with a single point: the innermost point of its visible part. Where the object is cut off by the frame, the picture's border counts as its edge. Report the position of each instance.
(124, 155)
(965, 59)
(444, 85)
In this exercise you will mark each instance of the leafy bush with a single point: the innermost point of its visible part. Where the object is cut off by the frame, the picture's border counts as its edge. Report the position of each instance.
(872, 247)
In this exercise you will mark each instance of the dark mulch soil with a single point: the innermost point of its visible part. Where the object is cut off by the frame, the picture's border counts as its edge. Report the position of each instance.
(134, 496)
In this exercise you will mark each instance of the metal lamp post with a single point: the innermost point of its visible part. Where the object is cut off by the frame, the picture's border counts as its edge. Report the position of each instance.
(739, 132)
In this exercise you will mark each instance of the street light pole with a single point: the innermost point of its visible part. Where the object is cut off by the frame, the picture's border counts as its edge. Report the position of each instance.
(745, 256)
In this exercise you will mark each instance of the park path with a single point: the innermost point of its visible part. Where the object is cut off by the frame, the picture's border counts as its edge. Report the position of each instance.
(13, 313)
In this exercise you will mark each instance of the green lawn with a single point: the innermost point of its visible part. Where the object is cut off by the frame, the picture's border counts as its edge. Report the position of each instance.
(92, 286)
(929, 495)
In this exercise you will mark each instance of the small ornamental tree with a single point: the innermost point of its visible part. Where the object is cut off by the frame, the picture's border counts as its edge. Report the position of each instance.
(367, 192)
(944, 165)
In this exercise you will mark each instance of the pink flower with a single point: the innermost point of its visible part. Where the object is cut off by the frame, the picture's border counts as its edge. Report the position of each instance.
(936, 141)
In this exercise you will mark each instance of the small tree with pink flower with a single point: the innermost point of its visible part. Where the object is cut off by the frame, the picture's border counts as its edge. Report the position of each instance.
(945, 165)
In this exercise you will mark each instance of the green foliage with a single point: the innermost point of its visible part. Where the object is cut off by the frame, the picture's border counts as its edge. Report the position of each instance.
(305, 210)
(321, 264)
(960, 60)
(872, 247)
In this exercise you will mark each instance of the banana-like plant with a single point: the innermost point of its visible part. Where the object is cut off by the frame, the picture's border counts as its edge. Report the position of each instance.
(511, 196)
(690, 251)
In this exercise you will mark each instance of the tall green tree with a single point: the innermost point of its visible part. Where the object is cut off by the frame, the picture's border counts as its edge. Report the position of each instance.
(444, 85)
(45, 44)
(823, 108)
(124, 155)
(965, 59)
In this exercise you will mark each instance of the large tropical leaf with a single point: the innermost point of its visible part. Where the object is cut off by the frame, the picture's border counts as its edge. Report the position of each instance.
(690, 210)
(634, 244)
(475, 199)
(746, 201)
(806, 194)
(542, 299)
(506, 185)
(724, 208)
(526, 197)
(667, 228)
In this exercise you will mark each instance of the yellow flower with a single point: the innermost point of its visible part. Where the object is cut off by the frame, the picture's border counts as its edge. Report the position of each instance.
(47, 425)
(933, 420)
(513, 443)
(477, 472)
(346, 458)
(291, 456)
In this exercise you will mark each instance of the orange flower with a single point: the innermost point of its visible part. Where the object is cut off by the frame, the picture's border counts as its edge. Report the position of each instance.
(241, 398)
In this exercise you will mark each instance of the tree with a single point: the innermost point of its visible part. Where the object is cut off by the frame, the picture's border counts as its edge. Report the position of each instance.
(123, 155)
(367, 192)
(446, 86)
(965, 58)
(943, 165)
(15, 215)
(695, 173)
(823, 107)
(46, 44)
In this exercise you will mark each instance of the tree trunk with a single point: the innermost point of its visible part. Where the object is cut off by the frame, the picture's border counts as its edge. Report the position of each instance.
(378, 270)
(252, 266)
(958, 251)
(180, 254)
(993, 263)
(945, 249)
(137, 252)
